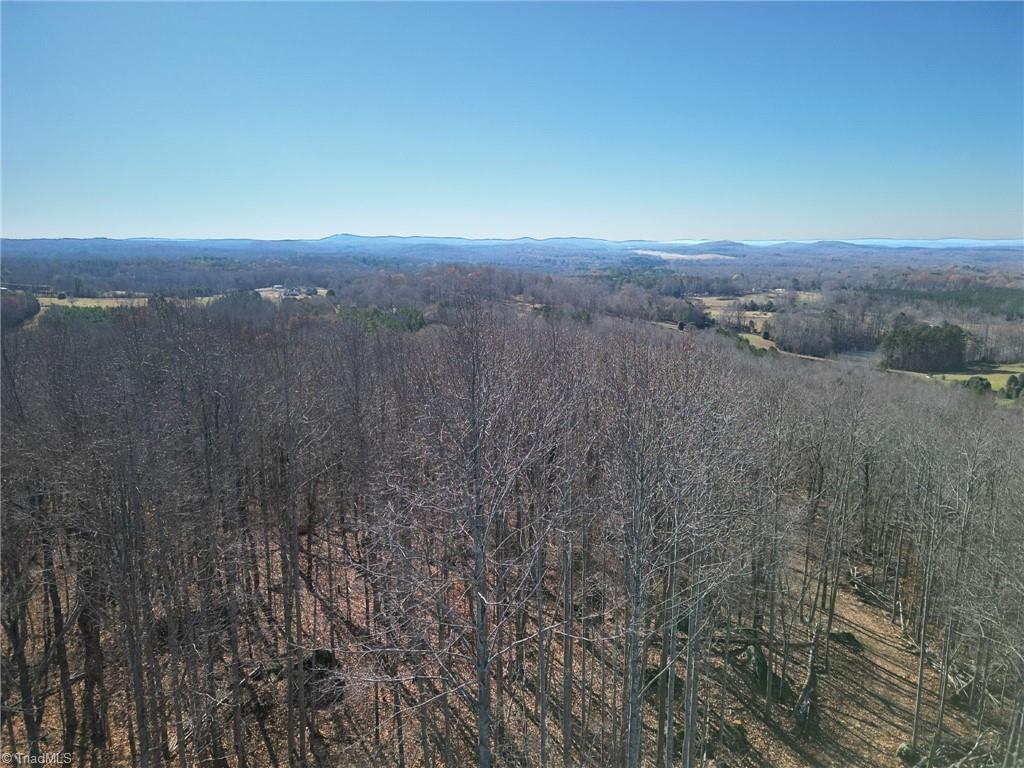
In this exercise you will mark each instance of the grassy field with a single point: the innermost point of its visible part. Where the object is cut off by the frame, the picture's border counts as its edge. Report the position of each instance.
(103, 302)
(718, 303)
(724, 302)
(996, 374)
(277, 294)
(719, 306)
(757, 342)
(808, 297)
(106, 302)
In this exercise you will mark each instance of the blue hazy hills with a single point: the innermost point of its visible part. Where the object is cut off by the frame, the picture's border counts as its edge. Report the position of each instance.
(523, 251)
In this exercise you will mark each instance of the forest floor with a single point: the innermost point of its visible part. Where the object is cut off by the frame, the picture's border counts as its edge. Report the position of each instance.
(866, 704)
(866, 701)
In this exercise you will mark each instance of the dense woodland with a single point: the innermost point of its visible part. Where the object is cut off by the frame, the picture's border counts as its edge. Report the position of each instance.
(922, 347)
(249, 535)
(16, 309)
(858, 294)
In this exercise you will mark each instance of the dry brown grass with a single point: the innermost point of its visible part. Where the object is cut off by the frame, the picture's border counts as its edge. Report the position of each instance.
(757, 342)
(105, 302)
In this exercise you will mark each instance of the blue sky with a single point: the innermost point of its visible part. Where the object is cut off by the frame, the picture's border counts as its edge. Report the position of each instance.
(661, 121)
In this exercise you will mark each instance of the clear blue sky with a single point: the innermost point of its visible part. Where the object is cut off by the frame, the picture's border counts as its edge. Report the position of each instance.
(657, 121)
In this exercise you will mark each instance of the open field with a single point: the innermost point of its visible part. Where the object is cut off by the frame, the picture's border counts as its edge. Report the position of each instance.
(996, 375)
(760, 343)
(720, 303)
(112, 301)
(721, 306)
(808, 297)
(278, 294)
(102, 302)
(105, 302)
(757, 342)
(724, 303)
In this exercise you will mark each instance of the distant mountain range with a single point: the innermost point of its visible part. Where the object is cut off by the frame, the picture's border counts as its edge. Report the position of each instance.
(346, 239)
(565, 252)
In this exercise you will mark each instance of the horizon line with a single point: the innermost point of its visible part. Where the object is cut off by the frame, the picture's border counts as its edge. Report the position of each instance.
(671, 241)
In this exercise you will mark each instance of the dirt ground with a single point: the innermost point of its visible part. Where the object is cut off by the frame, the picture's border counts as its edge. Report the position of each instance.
(866, 704)
(866, 701)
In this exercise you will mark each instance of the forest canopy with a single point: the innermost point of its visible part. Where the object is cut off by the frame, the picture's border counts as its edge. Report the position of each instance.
(244, 534)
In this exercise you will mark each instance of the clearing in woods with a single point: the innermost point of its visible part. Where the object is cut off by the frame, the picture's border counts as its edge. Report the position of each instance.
(758, 342)
(279, 294)
(996, 374)
(722, 306)
(102, 301)
(111, 301)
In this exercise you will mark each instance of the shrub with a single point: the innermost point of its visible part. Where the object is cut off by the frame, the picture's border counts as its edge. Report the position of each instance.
(978, 384)
(907, 753)
(1014, 387)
